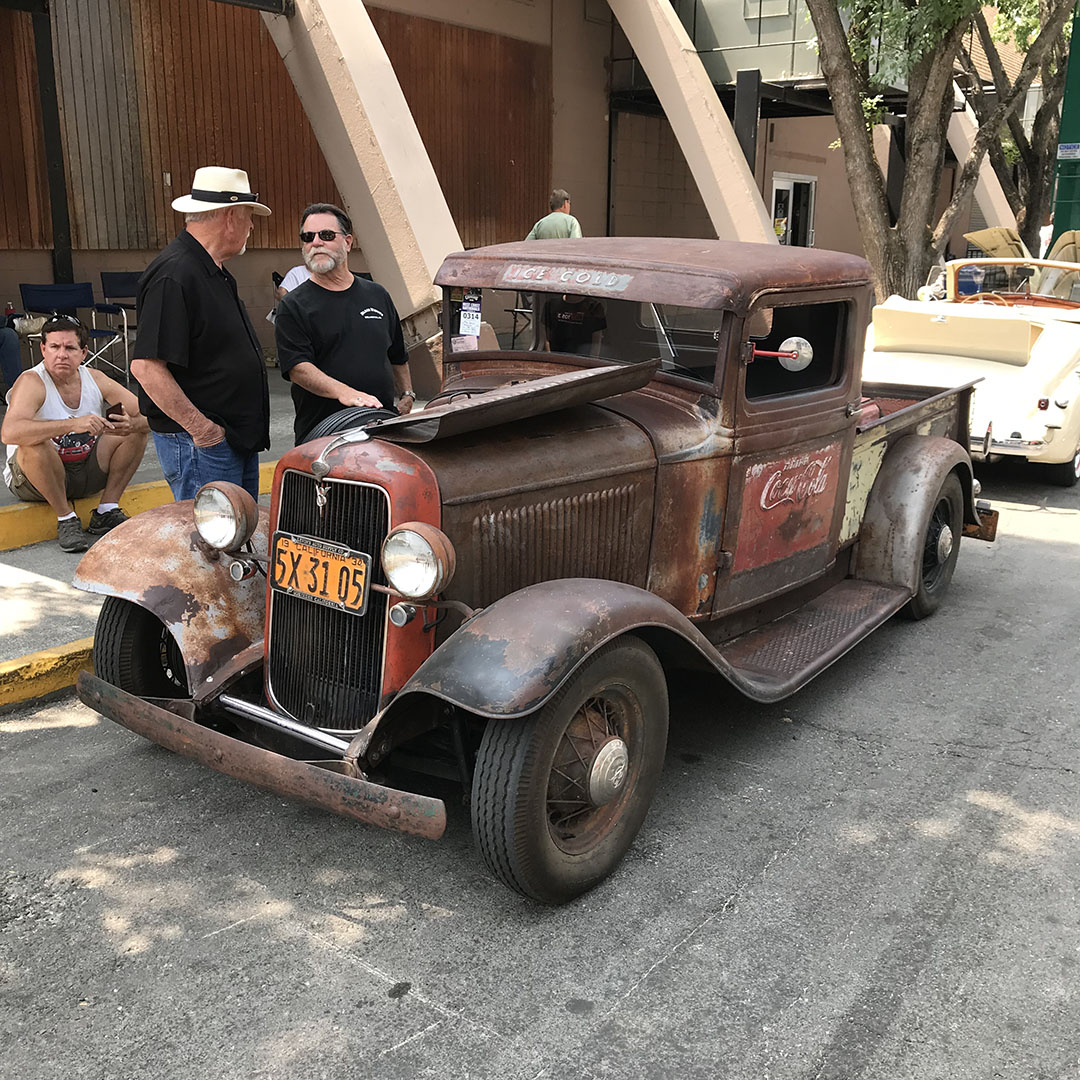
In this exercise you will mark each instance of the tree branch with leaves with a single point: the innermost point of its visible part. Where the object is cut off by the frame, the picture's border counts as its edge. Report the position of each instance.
(876, 44)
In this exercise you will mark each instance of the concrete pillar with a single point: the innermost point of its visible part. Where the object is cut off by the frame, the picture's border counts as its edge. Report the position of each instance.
(705, 134)
(369, 138)
(988, 194)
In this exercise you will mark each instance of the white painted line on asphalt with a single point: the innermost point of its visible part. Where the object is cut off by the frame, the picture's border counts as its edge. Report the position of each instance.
(384, 977)
(411, 1038)
(239, 922)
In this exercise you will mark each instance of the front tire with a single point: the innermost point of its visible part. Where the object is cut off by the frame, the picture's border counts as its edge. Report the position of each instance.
(941, 546)
(134, 650)
(1067, 473)
(558, 797)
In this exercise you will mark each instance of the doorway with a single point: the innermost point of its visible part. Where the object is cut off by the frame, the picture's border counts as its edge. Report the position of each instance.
(793, 208)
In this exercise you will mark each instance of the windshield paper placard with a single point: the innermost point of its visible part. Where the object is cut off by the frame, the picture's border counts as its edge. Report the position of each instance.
(525, 274)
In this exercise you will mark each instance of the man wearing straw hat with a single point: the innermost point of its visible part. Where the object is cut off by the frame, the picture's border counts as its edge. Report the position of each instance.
(198, 362)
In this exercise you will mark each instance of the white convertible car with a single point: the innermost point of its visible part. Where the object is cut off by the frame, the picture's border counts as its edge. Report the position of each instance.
(1015, 325)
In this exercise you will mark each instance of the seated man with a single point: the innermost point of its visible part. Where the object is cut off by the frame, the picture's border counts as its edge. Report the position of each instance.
(71, 431)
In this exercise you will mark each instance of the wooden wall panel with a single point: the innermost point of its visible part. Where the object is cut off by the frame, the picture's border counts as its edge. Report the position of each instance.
(152, 89)
(483, 105)
(24, 189)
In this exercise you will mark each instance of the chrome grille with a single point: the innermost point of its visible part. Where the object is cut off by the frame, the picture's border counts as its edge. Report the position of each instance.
(324, 667)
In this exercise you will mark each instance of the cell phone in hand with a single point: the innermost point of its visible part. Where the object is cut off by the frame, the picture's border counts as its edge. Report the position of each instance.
(114, 411)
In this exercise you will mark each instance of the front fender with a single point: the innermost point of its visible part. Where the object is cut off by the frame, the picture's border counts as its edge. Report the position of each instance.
(153, 560)
(510, 658)
(900, 504)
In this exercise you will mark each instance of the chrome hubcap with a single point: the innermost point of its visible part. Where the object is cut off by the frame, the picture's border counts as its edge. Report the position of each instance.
(607, 773)
(944, 544)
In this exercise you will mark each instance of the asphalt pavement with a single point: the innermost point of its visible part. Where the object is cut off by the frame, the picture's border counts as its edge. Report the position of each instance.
(874, 879)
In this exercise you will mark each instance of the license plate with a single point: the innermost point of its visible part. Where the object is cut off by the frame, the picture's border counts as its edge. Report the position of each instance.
(325, 573)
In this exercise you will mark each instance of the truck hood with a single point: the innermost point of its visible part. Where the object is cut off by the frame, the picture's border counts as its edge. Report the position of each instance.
(518, 401)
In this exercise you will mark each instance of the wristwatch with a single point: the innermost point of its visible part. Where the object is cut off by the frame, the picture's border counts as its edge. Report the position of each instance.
(408, 394)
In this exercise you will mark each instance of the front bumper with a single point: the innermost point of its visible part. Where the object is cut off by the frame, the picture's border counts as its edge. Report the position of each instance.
(318, 784)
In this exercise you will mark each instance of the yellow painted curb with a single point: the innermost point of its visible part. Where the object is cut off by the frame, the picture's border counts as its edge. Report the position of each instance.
(28, 677)
(30, 523)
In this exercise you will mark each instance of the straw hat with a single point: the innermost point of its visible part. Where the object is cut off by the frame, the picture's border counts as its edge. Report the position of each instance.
(215, 187)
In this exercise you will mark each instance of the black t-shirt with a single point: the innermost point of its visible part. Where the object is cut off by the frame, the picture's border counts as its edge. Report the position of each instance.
(190, 316)
(353, 336)
(570, 322)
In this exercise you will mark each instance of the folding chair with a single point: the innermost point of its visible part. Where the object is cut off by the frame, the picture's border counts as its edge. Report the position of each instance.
(120, 288)
(67, 300)
(522, 310)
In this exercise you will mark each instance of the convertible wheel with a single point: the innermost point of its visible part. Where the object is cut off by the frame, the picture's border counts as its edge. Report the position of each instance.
(557, 798)
(1067, 473)
(941, 545)
(134, 650)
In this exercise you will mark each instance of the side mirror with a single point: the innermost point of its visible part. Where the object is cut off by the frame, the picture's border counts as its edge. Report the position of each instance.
(795, 353)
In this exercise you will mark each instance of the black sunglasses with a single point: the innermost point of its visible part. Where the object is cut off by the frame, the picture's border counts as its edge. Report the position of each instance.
(57, 316)
(322, 234)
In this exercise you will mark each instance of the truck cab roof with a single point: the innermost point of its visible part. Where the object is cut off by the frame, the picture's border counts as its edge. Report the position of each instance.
(689, 272)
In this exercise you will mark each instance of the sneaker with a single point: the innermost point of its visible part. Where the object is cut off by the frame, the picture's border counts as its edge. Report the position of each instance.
(70, 535)
(102, 523)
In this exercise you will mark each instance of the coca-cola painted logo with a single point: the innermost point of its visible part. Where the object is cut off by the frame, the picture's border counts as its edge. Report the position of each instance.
(796, 487)
(788, 506)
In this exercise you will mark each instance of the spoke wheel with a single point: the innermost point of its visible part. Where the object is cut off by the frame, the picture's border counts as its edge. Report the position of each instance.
(559, 796)
(941, 546)
(134, 650)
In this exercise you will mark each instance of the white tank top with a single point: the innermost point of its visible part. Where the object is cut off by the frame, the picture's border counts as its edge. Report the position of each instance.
(74, 447)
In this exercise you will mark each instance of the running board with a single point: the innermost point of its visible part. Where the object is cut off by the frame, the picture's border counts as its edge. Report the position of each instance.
(776, 660)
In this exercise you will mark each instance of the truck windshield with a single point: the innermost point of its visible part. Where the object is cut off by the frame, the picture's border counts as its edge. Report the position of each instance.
(684, 340)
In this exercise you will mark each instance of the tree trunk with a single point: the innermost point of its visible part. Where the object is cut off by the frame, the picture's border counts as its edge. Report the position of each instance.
(900, 257)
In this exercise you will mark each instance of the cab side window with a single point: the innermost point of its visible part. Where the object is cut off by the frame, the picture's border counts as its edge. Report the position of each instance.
(823, 325)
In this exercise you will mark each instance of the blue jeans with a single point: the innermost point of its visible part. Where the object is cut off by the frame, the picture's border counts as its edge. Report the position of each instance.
(10, 361)
(187, 466)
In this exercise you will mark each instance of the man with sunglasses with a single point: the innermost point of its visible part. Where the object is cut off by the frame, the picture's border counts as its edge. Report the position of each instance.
(70, 431)
(339, 339)
(199, 364)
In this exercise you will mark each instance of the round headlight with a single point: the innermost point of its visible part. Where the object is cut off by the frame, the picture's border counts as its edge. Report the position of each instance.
(225, 515)
(418, 560)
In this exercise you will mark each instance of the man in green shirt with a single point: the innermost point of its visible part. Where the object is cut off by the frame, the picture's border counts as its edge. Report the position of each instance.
(558, 225)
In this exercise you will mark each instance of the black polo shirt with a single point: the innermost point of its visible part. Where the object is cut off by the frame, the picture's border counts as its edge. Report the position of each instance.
(353, 335)
(190, 316)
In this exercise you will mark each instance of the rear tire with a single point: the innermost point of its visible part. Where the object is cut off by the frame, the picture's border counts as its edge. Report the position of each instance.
(134, 650)
(1067, 473)
(347, 419)
(941, 546)
(558, 797)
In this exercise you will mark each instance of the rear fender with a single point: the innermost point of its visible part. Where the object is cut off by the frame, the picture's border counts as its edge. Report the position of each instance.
(900, 504)
(155, 561)
(510, 658)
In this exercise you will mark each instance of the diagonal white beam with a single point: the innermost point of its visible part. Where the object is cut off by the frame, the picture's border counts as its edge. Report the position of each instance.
(963, 127)
(369, 139)
(705, 134)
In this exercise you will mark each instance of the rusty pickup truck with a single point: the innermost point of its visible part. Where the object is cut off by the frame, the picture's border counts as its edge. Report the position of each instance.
(675, 465)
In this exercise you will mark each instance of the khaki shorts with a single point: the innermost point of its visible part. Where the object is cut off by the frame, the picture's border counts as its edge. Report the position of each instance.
(83, 478)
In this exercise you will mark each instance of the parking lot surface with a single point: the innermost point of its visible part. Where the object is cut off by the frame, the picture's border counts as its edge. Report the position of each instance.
(876, 878)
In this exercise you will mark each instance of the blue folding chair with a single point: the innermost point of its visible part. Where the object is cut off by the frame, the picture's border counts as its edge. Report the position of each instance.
(120, 288)
(69, 300)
